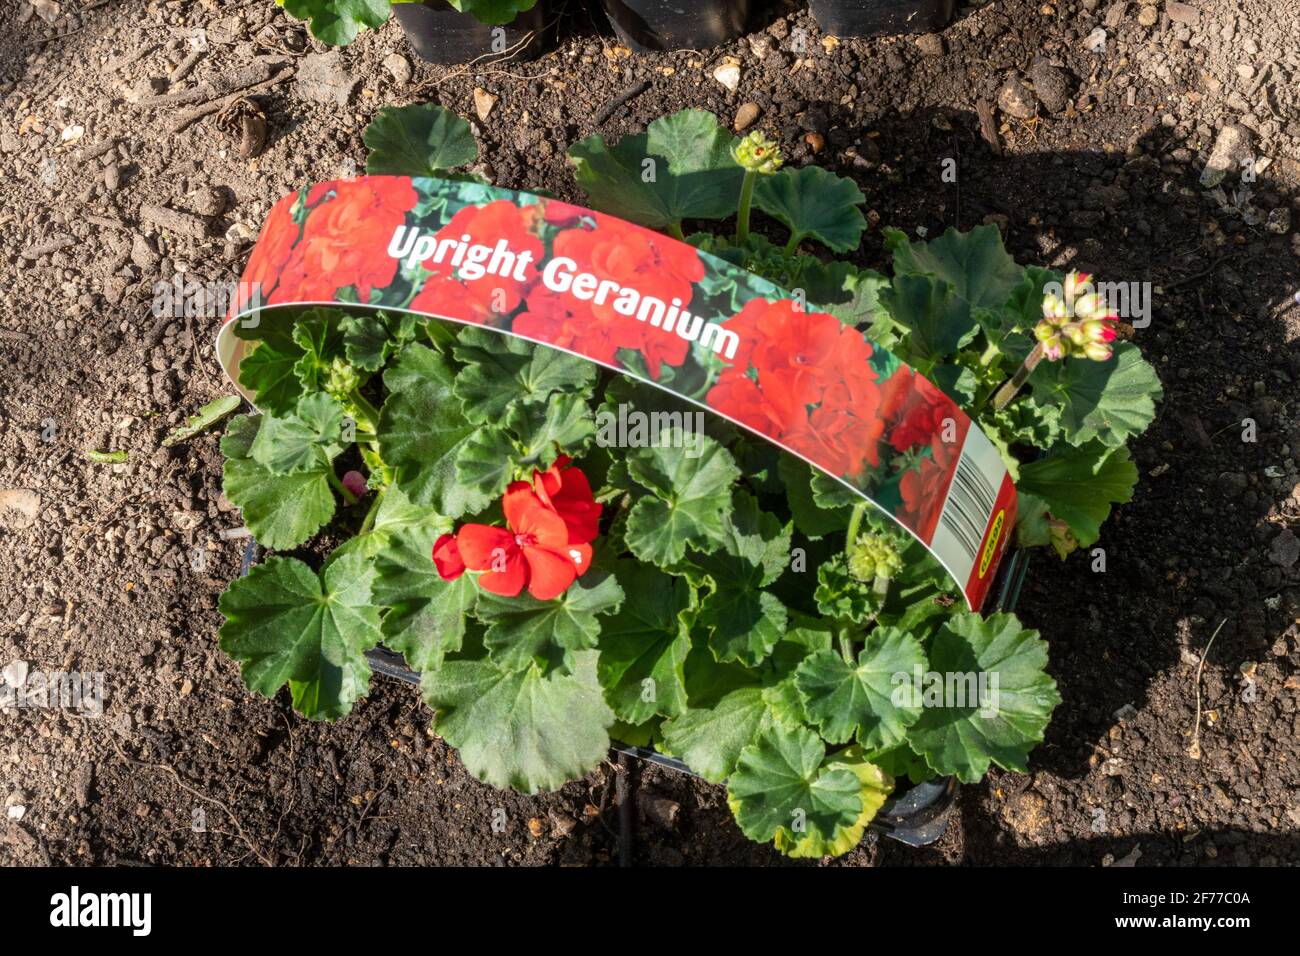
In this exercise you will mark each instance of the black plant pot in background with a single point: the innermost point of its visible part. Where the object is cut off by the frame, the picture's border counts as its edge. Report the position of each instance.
(648, 25)
(857, 18)
(441, 34)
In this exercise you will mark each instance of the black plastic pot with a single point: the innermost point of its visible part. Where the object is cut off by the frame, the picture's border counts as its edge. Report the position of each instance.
(648, 25)
(915, 815)
(860, 18)
(441, 34)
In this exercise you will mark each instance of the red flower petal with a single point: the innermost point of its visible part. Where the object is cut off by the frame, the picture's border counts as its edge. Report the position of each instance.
(478, 544)
(447, 559)
(506, 579)
(550, 573)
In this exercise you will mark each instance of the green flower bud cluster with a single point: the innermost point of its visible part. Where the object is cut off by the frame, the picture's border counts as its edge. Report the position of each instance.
(758, 154)
(874, 556)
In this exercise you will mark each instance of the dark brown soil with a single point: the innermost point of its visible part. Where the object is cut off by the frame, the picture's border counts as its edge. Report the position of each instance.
(104, 579)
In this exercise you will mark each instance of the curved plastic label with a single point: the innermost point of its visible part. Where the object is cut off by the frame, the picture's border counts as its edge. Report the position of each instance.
(657, 310)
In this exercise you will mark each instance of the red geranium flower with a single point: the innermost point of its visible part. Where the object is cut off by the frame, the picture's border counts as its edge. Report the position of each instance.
(923, 488)
(565, 490)
(921, 415)
(535, 551)
(567, 323)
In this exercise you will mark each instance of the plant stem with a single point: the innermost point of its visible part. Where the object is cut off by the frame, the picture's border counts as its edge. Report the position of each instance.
(746, 200)
(882, 587)
(369, 414)
(369, 523)
(846, 646)
(989, 355)
(788, 251)
(675, 230)
(333, 479)
(1008, 391)
(855, 522)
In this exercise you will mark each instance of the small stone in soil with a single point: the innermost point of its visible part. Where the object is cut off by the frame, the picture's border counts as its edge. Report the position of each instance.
(745, 116)
(399, 68)
(322, 78)
(1231, 148)
(1285, 549)
(1016, 99)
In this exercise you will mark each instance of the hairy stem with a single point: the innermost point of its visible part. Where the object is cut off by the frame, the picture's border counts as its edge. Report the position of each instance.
(374, 510)
(989, 355)
(788, 251)
(746, 200)
(846, 646)
(333, 479)
(1008, 391)
(855, 522)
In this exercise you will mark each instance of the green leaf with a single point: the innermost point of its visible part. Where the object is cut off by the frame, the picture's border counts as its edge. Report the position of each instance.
(810, 518)
(426, 615)
(421, 431)
(366, 341)
(1112, 401)
(521, 728)
(710, 739)
(936, 319)
(282, 511)
(954, 735)
(842, 596)
(643, 647)
(781, 787)
(745, 621)
(269, 374)
(286, 625)
(522, 629)
(501, 371)
(337, 22)
(493, 12)
(858, 702)
(320, 336)
(974, 263)
(814, 202)
(418, 140)
(203, 419)
(876, 785)
(680, 168)
(1079, 485)
(486, 462)
(691, 497)
(308, 440)
(563, 424)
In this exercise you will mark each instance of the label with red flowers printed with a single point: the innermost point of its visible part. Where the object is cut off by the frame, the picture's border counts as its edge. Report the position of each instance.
(657, 310)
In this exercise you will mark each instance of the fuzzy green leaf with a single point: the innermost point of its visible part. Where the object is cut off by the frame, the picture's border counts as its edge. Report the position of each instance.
(493, 12)
(418, 140)
(269, 374)
(644, 646)
(1079, 485)
(810, 518)
(1112, 401)
(974, 263)
(710, 739)
(936, 319)
(282, 511)
(308, 440)
(501, 372)
(858, 702)
(963, 736)
(876, 785)
(521, 728)
(781, 787)
(337, 22)
(691, 498)
(286, 625)
(522, 629)
(680, 168)
(563, 424)
(421, 431)
(814, 203)
(745, 621)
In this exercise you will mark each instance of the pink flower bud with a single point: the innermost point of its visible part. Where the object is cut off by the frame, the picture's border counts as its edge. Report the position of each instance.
(355, 483)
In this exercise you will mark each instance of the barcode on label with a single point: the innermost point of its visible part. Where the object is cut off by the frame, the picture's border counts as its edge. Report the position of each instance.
(972, 498)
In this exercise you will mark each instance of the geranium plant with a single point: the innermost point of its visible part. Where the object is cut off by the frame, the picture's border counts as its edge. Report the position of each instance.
(337, 22)
(706, 593)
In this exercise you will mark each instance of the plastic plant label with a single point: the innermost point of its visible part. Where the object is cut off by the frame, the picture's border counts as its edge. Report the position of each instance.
(656, 310)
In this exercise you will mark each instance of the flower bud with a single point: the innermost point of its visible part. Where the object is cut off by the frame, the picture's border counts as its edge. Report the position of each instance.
(874, 556)
(758, 154)
(1075, 324)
